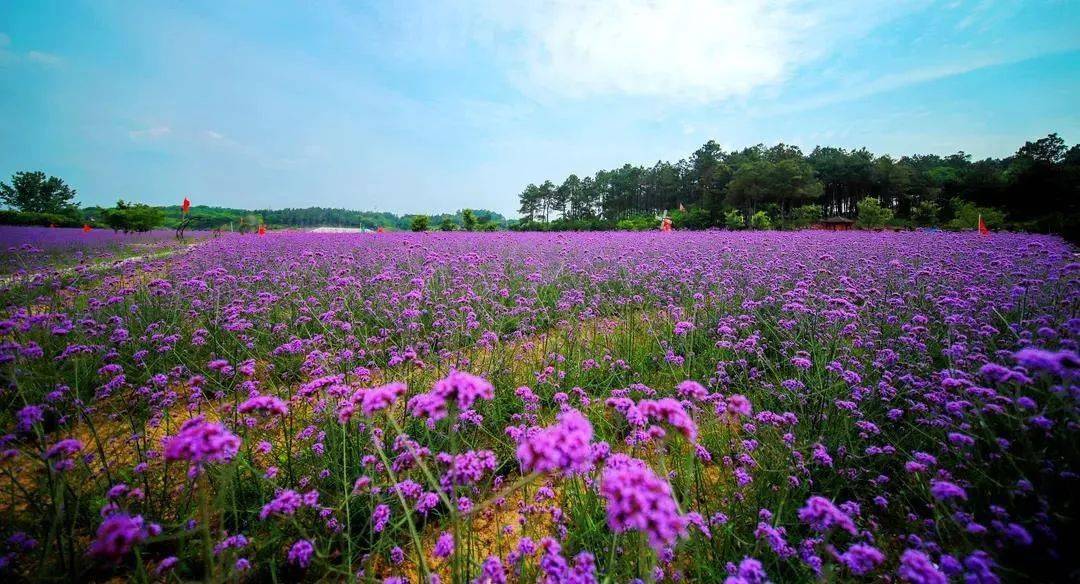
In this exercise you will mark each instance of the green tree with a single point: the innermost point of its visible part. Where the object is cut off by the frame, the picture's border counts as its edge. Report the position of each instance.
(419, 223)
(925, 213)
(468, 220)
(806, 215)
(33, 192)
(446, 225)
(966, 216)
(733, 219)
(133, 217)
(760, 220)
(872, 214)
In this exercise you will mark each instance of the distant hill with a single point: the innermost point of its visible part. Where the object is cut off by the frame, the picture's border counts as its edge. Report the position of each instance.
(207, 217)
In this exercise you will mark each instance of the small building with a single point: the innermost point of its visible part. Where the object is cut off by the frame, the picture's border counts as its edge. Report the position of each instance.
(835, 224)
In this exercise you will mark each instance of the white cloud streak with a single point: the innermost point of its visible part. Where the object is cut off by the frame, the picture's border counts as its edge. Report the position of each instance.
(689, 50)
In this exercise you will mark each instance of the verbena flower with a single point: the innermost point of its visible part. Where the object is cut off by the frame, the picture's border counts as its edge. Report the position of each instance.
(200, 442)
(639, 500)
(821, 515)
(562, 447)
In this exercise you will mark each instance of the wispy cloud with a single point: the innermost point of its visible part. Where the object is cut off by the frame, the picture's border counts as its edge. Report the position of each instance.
(8, 55)
(44, 58)
(691, 50)
(151, 133)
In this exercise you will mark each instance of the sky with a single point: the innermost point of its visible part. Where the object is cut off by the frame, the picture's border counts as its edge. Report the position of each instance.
(433, 106)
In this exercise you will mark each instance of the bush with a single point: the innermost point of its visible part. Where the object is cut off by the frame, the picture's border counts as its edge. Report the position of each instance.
(805, 215)
(693, 218)
(638, 223)
(468, 220)
(137, 217)
(446, 225)
(872, 215)
(925, 214)
(733, 219)
(966, 216)
(419, 223)
(760, 220)
(43, 219)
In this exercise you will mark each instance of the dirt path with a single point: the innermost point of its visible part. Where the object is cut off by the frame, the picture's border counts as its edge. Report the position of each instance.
(97, 266)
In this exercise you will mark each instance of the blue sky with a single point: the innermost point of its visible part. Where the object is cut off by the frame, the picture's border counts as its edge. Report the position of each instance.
(434, 106)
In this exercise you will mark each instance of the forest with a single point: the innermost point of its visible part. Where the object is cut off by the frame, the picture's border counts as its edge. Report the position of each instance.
(1035, 189)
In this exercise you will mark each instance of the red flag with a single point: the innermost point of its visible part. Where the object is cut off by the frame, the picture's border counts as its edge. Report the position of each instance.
(86, 228)
(982, 226)
(186, 206)
(262, 229)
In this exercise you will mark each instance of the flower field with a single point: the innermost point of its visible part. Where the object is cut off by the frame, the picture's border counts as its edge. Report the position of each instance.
(736, 407)
(25, 250)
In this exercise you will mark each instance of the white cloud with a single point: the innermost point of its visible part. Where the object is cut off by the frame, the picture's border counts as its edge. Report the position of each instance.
(696, 50)
(214, 135)
(11, 56)
(43, 58)
(151, 133)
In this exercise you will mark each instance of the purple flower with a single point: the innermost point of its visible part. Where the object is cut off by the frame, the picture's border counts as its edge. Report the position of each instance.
(380, 398)
(117, 535)
(200, 442)
(28, 416)
(944, 490)
(821, 515)
(739, 405)
(691, 389)
(265, 404)
(444, 546)
(563, 446)
(380, 517)
(916, 567)
(63, 449)
(286, 503)
(166, 565)
(750, 571)
(467, 468)
(861, 559)
(639, 500)
(300, 553)
(463, 387)
(1061, 363)
(671, 412)
(491, 571)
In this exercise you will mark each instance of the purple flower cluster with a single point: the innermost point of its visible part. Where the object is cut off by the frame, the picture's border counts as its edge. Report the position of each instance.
(639, 500)
(561, 447)
(459, 388)
(200, 442)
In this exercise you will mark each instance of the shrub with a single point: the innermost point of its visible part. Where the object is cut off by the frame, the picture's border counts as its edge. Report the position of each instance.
(925, 214)
(966, 216)
(419, 223)
(733, 219)
(872, 215)
(760, 220)
(805, 215)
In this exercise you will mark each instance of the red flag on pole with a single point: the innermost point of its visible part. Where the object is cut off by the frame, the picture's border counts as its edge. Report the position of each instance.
(982, 226)
(186, 206)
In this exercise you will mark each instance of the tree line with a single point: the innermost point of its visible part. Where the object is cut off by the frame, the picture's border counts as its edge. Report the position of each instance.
(1035, 189)
(33, 198)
